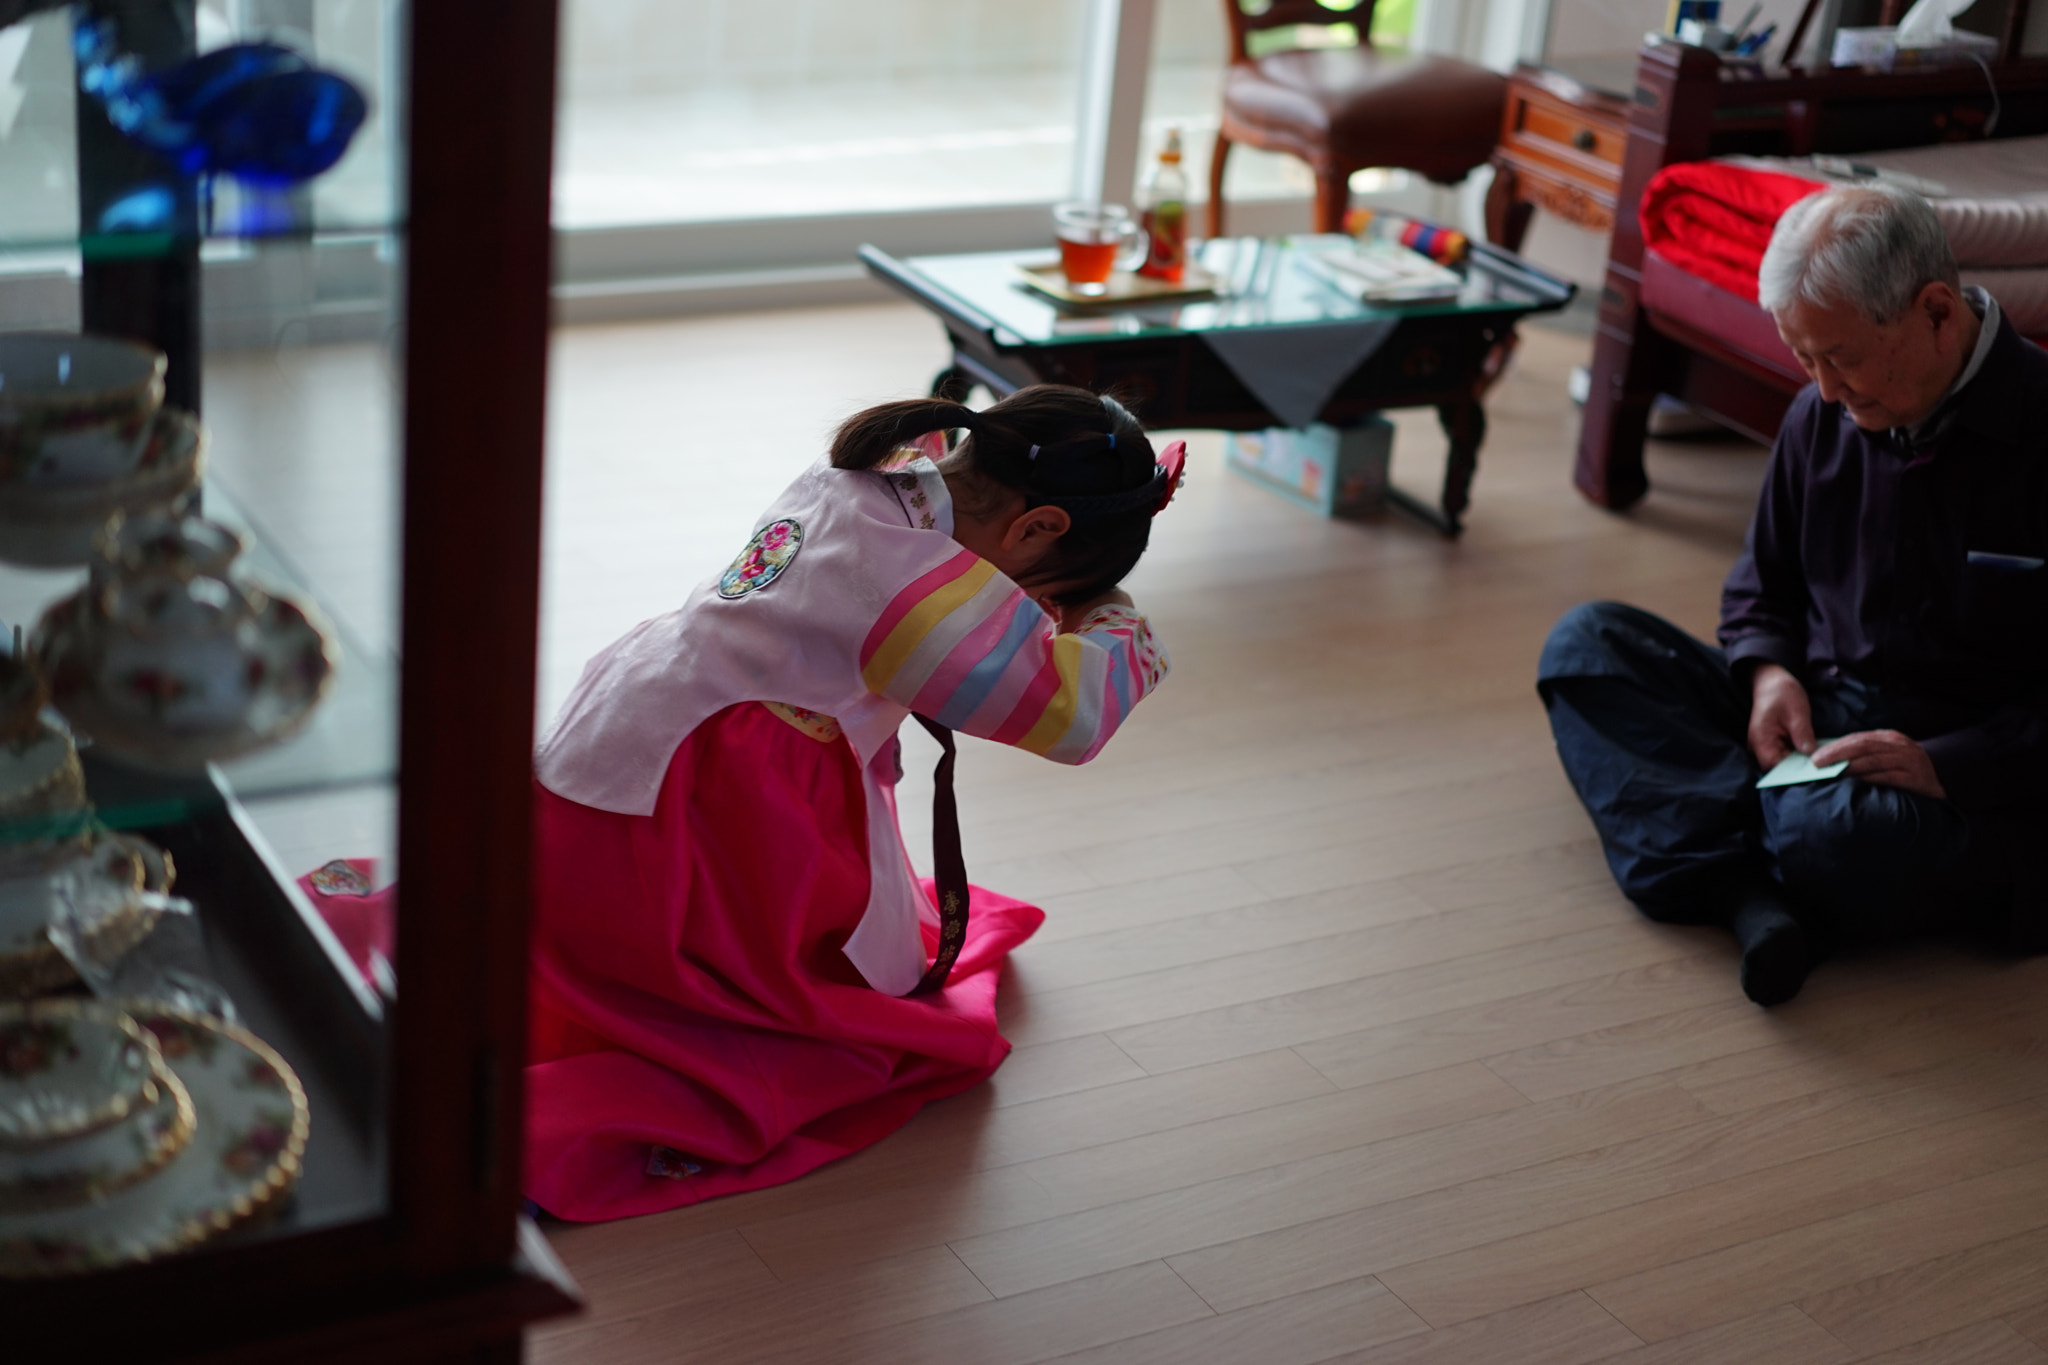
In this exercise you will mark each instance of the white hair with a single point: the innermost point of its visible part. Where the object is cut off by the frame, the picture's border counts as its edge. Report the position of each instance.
(1873, 246)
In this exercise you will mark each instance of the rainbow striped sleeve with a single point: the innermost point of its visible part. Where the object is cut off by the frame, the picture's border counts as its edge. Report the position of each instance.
(965, 646)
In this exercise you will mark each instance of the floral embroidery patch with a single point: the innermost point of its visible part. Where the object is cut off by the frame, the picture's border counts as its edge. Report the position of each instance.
(772, 550)
(816, 724)
(666, 1163)
(339, 878)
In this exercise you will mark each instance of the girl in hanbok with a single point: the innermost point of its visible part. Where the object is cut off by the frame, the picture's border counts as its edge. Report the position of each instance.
(736, 975)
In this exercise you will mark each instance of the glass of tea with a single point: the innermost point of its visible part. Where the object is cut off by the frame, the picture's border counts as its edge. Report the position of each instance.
(1096, 240)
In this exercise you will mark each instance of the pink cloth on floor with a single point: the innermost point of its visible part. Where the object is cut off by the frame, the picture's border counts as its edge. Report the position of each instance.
(689, 991)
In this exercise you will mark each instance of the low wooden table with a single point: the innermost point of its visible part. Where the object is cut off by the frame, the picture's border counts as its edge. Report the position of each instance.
(1170, 357)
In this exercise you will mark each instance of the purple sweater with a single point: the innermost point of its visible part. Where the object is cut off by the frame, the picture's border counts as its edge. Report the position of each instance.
(1919, 567)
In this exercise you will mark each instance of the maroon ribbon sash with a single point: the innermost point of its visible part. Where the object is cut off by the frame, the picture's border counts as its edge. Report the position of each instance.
(949, 867)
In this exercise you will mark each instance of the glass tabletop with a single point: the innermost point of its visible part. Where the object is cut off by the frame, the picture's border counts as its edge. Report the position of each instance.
(1260, 282)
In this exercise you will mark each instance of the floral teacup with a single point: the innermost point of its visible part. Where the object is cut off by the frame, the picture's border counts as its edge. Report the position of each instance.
(68, 1068)
(75, 408)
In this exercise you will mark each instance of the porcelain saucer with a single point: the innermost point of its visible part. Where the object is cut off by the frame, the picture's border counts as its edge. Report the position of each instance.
(286, 668)
(244, 1158)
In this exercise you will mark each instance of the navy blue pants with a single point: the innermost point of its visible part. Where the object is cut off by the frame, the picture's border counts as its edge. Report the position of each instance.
(1652, 727)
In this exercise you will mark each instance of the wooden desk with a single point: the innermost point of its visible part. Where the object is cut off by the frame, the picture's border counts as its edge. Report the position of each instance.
(1561, 143)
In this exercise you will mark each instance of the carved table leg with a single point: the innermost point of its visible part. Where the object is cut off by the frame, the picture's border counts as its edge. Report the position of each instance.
(1464, 421)
(1507, 214)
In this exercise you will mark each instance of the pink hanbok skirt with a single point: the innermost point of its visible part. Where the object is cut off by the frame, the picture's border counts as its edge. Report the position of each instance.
(692, 1013)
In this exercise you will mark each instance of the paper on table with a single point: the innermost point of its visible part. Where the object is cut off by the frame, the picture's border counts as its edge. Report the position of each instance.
(1796, 767)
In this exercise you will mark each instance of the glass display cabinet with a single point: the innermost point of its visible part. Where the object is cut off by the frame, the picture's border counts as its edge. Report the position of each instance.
(273, 329)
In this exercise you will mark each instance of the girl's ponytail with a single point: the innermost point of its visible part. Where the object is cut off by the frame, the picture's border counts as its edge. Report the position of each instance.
(868, 438)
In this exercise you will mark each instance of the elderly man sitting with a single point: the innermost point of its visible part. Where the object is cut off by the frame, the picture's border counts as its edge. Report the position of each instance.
(1890, 612)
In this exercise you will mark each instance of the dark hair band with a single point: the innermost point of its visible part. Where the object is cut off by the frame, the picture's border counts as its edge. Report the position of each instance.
(1088, 441)
(1086, 507)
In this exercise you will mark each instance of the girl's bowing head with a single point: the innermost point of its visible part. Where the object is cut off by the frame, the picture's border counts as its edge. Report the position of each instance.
(1054, 485)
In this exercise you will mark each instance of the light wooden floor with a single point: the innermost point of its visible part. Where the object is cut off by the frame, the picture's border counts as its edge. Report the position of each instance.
(1337, 1045)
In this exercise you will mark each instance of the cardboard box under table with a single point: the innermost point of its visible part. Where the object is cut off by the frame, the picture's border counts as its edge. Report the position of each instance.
(1339, 472)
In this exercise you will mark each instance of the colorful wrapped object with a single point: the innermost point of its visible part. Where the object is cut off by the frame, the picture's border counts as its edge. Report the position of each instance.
(1446, 246)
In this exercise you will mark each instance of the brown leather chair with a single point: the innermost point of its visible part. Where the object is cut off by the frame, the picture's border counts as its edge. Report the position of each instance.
(1345, 109)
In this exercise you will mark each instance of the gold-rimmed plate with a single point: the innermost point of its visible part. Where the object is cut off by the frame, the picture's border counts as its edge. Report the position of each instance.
(244, 1158)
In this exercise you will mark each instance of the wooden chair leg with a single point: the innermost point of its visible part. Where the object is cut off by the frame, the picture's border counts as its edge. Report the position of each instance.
(1217, 156)
(1333, 197)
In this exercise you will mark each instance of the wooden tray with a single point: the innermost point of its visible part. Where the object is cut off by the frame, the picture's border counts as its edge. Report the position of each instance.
(1125, 289)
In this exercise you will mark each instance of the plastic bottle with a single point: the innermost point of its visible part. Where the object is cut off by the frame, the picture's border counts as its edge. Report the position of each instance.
(1163, 213)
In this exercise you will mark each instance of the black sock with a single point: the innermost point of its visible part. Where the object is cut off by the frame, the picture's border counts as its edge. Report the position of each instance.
(1777, 952)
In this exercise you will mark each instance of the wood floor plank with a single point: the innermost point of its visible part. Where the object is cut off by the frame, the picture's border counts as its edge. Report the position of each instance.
(1274, 1198)
(1021, 1330)
(1262, 839)
(1641, 1047)
(902, 1217)
(1964, 1287)
(740, 1328)
(2031, 1323)
(1381, 954)
(1908, 1012)
(1302, 1330)
(1985, 1343)
(1478, 1031)
(1312, 793)
(1290, 1018)
(1567, 1330)
(632, 1266)
(1196, 937)
(1812, 1259)
(1341, 863)
(1060, 1068)
(1487, 1208)
(1779, 1336)
(1175, 1157)
(1756, 1203)
(1573, 865)
(1126, 909)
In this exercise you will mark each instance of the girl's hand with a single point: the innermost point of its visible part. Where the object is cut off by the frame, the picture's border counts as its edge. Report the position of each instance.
(1071, 616)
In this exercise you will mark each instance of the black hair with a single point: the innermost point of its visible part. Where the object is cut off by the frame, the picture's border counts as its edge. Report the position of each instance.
(1059, 446)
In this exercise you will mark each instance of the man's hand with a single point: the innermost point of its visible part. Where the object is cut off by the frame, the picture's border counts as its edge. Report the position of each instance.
(1886, 758)
(1780, 716)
